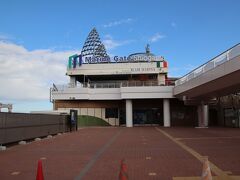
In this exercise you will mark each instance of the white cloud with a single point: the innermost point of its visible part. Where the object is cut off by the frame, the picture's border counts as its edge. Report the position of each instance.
(156, 37)
(28, 75)
(5, 37)
(118, 22)
(110, 43)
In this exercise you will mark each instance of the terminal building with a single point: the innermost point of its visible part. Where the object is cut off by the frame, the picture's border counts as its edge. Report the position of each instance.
(131, 90)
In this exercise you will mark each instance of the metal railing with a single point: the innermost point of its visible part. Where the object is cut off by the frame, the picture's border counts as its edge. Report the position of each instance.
(113, 84)
(123, 84)
(216, 61)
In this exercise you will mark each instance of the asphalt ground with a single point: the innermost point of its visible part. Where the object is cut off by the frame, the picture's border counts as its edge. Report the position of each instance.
(149, 153)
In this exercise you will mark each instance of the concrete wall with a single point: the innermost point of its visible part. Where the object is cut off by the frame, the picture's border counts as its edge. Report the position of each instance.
(95, 112)
(88, 104)
(114, 93)
(147, 92)
(117, 68)
(21, 126)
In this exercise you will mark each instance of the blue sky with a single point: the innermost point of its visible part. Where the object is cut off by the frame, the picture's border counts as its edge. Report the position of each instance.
(38, 36)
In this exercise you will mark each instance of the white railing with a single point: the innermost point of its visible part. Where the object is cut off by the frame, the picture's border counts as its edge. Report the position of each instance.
(62, 87)
(113, 84)
(220, 59)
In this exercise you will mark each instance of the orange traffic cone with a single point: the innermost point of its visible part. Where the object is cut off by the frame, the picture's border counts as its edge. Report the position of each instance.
(206, 172)
(39, 171)
(123, 171)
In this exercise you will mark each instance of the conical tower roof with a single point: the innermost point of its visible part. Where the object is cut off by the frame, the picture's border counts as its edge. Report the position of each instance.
(93, 45)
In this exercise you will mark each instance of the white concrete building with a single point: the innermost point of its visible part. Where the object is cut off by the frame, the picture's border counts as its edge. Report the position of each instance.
(109, 82)
(131, 90)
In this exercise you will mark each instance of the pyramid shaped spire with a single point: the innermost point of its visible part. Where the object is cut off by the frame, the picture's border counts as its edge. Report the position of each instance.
(93, 45)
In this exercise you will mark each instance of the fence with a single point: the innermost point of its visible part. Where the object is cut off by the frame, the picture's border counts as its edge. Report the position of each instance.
(15, 127)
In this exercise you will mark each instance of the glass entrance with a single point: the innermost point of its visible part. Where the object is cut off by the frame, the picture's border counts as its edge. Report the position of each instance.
(147, 116)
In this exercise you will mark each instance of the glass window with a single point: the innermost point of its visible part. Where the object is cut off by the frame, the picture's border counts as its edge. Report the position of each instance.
(111, 113)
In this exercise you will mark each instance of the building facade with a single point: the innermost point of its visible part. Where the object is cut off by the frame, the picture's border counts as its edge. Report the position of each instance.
(130, 90)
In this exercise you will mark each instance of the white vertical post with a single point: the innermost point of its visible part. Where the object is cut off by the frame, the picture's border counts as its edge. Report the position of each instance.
(166, 113)
(227, 54)
(73, 81)
(129, 113)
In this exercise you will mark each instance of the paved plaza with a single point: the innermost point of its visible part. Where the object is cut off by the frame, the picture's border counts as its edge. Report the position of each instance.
(149, 153)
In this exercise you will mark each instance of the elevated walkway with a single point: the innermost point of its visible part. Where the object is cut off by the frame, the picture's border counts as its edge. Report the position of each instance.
(218, 77)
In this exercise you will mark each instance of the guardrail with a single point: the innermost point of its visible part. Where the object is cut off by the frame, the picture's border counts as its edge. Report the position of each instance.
(216, 61)
(113, 84)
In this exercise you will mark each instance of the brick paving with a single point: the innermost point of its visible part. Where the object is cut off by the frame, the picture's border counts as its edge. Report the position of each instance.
(95, 153)
(65, 155)
(135, 145)
(221, 145)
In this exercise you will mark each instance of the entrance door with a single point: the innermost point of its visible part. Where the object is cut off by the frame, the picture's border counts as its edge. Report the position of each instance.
(139, 117)
(147, 116)
(122, 117)
(213, 117)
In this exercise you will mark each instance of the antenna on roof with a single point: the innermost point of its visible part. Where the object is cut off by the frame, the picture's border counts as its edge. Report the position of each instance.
(147, 49)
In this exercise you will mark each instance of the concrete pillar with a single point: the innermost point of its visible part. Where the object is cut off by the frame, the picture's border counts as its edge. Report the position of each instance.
(161, 79)
(166, 113)
(203, 115)
(72, 81)
(129, 113)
